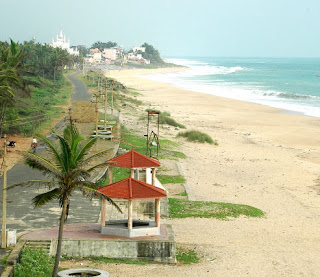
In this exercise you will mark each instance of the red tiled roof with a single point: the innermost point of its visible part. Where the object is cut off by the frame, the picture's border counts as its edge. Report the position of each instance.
(133, 159)
(132, 189)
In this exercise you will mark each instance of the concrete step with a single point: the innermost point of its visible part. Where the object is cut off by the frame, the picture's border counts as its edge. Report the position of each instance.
(39, 244)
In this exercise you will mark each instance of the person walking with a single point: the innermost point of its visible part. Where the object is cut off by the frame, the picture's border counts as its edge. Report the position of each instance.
(34, 145)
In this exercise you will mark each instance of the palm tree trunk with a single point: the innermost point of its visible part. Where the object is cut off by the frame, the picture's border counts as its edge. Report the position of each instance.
(3, 110)
(62, 220)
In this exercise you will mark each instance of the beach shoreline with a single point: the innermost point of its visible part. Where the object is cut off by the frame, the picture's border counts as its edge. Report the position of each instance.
(266, 158)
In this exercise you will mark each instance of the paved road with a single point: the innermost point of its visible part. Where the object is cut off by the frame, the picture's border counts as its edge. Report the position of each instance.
(80, 88)
(20, 213)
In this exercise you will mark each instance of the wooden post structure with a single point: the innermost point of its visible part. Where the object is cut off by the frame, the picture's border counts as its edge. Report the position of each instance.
(112, 99)
(103, 212)
(130, 215)
(153, 176)
(157, 212)
(97, 114)
(4, 198)
(105, 106)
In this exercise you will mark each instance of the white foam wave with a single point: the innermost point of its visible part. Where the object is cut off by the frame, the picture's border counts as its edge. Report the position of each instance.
(250, 92)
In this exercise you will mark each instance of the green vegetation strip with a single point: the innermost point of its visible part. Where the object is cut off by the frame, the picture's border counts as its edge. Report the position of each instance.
(171, 179)
(34, 263)
(197, 136)
(180, 208)
(186, 256)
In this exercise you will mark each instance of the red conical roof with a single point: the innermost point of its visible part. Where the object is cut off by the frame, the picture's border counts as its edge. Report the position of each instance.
(133, 159)
(132, 189)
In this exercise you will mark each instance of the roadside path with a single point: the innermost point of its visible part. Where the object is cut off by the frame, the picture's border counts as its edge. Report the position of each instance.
(21, 215)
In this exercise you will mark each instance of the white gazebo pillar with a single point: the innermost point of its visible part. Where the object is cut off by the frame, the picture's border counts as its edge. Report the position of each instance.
(132, 172)
(153, 176)
(103, 212)
(157, 212)
(130, 215)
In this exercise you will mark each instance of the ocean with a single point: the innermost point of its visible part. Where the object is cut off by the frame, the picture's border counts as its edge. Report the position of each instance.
(286, 83)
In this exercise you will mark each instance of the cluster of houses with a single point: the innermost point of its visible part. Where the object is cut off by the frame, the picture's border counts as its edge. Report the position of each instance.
(107, 56)
(116, 54)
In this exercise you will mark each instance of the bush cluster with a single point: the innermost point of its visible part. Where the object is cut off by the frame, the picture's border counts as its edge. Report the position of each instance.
(197, 136)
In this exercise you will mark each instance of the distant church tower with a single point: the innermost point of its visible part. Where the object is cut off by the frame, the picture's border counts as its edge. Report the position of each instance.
(62, 43)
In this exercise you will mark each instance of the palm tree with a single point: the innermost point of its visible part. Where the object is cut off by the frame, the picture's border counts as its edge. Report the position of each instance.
(12, 59)
(69, 169)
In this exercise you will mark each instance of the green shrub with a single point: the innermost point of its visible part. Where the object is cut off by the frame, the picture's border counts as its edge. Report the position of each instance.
(197, 136)
(179, 208)
(186, 256)
(34, 263)
(170, 179)
(166, 119)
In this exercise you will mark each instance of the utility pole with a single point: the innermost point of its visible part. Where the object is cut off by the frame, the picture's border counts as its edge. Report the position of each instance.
(4, 198)
(105, 106)
(99, 84)
(83, 67)
(112, 99)
(97, 114)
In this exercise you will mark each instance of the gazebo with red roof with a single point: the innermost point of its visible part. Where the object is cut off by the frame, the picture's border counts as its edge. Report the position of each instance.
(134, 160)
(132, 189)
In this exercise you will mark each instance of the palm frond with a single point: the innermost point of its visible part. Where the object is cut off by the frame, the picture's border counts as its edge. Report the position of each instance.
(100, 165)
(33, 182)
(44, 198)
(40, 163)
(53, 150)
(92, 192)
(66, 153)
(84, 150)
(96, 155)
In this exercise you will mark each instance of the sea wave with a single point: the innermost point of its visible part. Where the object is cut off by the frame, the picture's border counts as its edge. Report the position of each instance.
(287, 95)
(190, 79)
(197, 68)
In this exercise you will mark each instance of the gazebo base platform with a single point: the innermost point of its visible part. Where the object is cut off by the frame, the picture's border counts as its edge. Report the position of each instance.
(140, 228)
(86, 240)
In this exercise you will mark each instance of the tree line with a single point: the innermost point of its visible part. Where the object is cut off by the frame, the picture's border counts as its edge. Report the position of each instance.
(21, 66)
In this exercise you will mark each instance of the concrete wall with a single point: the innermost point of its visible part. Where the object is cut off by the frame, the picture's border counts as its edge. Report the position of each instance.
(163, 251)
(159, 251)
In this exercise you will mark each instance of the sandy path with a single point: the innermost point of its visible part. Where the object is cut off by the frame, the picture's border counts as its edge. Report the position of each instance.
(266, 159)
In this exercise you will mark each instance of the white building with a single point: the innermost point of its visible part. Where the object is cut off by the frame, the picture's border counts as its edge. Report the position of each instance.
(62, 43)
(110, 54)
(138, 48)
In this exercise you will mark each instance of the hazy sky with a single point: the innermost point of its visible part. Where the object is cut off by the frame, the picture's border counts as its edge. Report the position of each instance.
(176, 27)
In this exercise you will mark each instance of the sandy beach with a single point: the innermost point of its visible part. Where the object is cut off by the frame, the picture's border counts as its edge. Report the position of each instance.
(267, 159)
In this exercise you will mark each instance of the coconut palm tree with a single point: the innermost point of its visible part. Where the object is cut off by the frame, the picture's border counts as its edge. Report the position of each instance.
(69, 169)
(12, 60)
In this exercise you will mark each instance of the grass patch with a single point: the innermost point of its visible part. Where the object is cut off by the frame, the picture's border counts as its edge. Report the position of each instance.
(171, 179)
(129, 140)
(197, 136)
(186, 256)
(182, 194)
(34, 263)
(119, 173)
(180, 208)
